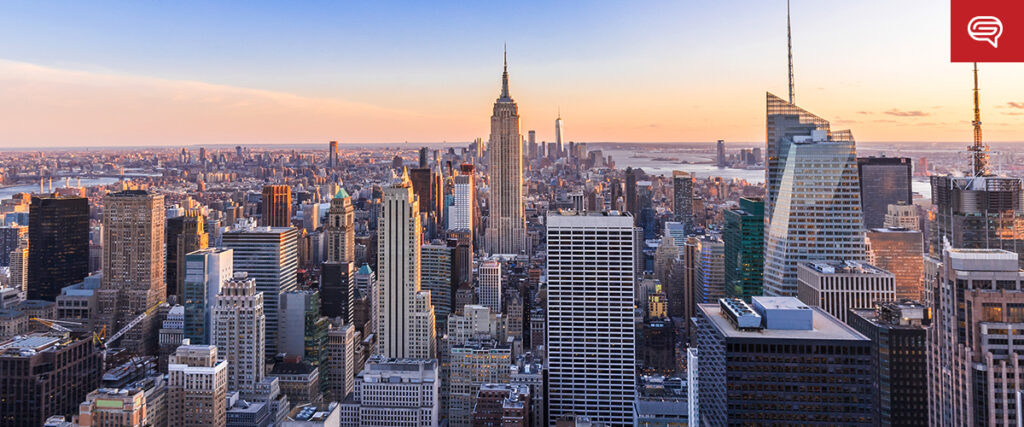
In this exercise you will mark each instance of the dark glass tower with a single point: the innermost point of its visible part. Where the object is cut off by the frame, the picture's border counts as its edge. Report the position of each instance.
(58, 234)
(884, 181)
(744, 249)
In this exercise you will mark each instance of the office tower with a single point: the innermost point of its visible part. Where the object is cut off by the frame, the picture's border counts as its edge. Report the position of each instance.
(277, 206)
(558, 134)
(426, 187)
(197, 387)
(658, 344)
(300, 381)
(341, 346)
(269, 255)
(589, 300)
(436, 277)
(239, 332)
(304, 332)
(489, 286)
(10, 238)
(664, 259)
(45, 374)
(902, 216)
(332, 154)
(108, 407)
(720, 151)
(19, 268)
(338, 289)
(682, 196)
(133, 266)
(982, 212)
(172, 331)
(827, 372)
(463, 212)
(837, 287)
(205, 271)
(884, 181)
(462, 264)
(818, 167)
(340, 229)
(785, 121)
(398, 393)
(743, 235)
(471, 365)
(645, 204)
(503, 405)
(631, 192)
(710, 284)
(406, 316)
(900, 252)
(183, 235)
(58, 256)
(897, 331)
(506, 221)
(977, 295)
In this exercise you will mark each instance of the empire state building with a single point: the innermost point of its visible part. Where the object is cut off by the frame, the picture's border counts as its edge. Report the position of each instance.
(506, 221)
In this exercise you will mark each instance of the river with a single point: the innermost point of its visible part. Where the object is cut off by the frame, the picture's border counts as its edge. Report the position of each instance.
(7, 192)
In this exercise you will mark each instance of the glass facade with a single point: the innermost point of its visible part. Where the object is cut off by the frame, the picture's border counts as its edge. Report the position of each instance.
(743, 235)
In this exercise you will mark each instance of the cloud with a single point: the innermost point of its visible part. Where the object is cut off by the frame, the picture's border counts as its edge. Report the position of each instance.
(1015, 104)
(902, 113)
(865, 112)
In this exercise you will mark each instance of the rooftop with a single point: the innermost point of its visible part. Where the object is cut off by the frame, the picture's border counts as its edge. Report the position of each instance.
(844, 267)
(825, 327)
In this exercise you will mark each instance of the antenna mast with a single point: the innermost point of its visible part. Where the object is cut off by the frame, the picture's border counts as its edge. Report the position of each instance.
(789, 43)
(978, 151)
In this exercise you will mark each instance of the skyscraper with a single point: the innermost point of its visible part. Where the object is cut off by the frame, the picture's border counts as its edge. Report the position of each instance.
(710, 284)
(340, 229)
(205, 271)
(133, 265)
(645, 206)
(184, 234)
(682, 197)
(720, 151)
(784, 122)
(436, 276)
(277, 206)
(239, 332)
(270, 256)
(817, 214)
(406, 325)
(506, 221)
(985, 212)
(398, 393)
(338, 289)
(489, 288)
(332, 154)
(463, 212)
(558, 134)
(341, 360)
(901, 252)
(631, 192)
(743, 235)
(884, 181)
(591, 341)
(58, 255)
(197, 386)
(837, 287)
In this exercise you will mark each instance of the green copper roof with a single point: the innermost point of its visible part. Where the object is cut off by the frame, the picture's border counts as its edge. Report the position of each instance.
(341, 193)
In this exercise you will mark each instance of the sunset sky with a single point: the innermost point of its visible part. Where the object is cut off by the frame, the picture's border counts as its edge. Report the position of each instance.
(95, 73)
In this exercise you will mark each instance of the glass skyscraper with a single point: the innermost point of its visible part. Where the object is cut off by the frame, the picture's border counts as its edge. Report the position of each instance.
(743, 235)
(884, 181)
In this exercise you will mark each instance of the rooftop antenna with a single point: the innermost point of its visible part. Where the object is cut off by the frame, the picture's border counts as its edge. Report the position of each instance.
(978, 151)
(789, 44)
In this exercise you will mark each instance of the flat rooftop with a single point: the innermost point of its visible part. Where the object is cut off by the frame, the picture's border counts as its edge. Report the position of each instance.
(825, 327)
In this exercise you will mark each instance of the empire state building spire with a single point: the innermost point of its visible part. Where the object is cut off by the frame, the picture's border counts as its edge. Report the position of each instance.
(504, 81)
(506, 222)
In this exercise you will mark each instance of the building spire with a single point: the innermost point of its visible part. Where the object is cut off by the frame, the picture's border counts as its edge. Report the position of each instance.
(789, 44)
(504, 77)
(978, 151)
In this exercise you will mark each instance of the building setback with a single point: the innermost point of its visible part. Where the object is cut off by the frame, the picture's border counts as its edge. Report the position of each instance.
(58, 255)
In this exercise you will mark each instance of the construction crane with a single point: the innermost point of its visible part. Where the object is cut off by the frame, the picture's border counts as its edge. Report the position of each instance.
(55, 324)
(138, 319)
(99, 338)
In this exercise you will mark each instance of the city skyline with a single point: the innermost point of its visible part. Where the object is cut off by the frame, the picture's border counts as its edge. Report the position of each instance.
(662, 72)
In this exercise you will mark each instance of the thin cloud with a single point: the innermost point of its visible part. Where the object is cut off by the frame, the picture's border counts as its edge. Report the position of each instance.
(902, 113)
(1015, 104)
(865, 112)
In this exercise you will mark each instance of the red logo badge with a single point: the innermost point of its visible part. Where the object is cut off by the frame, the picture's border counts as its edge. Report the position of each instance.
(986, 31)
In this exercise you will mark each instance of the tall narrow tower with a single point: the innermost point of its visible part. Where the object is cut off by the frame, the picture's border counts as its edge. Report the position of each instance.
(789, 50)
(558, 132)
(978, 150)
(506, 222)
(340, 229)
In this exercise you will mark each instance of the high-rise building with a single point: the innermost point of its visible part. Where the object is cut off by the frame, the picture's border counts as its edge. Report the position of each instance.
(784, 122)
(183, 234)
(901, 252)
(45, 374)
(503, 405)
(818, 166)
(394, 392)
(205, 271)
(107, 407)
(645, 205)
(239, 332)
(436, 277)
(902, 216)
(338, 289)
(631, 192)
(489, 286)
(10, 238)
(270, 256)
(682, 196)
(720, 151)
(710, 284)
(884, 181)
(133, 266)
(340, 229)
(58, 256)
(837, 287)
(743, 235)
(558, 134)
(470, 366)
(277, 206)
(463, 212)
(986, 212)
(19, 268)
(197, 387)
(665, 258)
(978, 300)
(332, 154)
(897, 331)
(748, 353)
(304, 332)
(405, 328)
(341, 360)
(590, 299)
(506, 220)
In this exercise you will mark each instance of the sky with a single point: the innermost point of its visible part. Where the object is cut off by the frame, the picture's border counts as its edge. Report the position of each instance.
(101, 73)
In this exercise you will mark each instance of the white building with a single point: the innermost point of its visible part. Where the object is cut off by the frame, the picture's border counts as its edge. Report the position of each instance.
(405, 327)
(197, 386)
(816, 216)
(489, 285)
(591, 339)
(269, 255)
(341, 362)
(837, 287)
(461, 214)
(205, 271)
(394, 393)
(239, 332)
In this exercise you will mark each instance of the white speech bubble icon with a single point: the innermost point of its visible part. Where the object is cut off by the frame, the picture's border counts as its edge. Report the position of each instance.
(985, 29)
